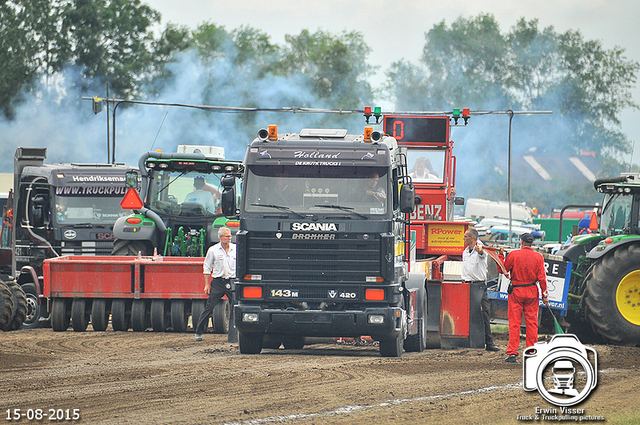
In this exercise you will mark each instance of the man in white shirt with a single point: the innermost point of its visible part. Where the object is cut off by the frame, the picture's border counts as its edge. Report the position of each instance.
(201, 196)
(219, 268)
(474, 271)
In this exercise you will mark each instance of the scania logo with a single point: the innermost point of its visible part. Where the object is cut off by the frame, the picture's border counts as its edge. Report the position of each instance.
(70, 234)
(315, 227)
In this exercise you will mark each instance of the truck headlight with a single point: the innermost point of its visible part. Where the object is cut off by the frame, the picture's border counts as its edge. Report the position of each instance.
(250, 317)
(376, 319)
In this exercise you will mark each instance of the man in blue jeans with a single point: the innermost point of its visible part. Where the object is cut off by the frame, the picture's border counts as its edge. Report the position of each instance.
(219, 269)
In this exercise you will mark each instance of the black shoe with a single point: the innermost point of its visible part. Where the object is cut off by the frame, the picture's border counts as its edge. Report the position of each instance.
(511, 358)
(492, 347)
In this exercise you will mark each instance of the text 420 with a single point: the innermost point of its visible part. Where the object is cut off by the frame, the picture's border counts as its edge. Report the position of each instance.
(284, 293)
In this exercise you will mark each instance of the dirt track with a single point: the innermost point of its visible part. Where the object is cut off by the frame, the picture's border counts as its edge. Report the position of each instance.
(127, 377)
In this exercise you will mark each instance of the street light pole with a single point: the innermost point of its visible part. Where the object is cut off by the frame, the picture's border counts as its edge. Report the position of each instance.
(510, 113)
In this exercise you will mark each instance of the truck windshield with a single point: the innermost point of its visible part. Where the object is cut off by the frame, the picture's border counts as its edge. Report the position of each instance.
(178, 193)
(616, 216)
(426, 165)
(88, 209)
(361, 190)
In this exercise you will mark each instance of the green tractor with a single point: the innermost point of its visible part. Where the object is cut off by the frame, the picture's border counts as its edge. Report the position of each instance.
(604, 292)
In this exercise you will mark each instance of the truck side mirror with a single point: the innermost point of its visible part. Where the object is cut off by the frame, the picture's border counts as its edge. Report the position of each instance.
(38, 210)
(458, 200)
(131, 180)
(228, 197)
(407, 198)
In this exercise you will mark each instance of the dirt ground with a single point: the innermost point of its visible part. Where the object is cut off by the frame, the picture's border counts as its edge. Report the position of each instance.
(127, 377)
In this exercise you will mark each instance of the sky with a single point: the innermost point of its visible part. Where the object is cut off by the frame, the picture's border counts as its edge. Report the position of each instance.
(395, 29)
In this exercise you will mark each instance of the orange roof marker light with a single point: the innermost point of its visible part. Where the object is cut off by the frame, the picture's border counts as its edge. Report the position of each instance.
(273, 132)
(367, 133)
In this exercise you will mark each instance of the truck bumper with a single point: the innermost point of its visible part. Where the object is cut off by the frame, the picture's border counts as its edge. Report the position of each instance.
(320, 323)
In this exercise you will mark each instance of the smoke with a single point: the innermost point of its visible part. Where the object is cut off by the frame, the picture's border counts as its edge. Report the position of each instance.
(57, 118)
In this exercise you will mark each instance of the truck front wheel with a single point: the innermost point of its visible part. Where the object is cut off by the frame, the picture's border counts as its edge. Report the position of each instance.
(250, 343)
(391, 347)
(34, 309)
(613, 296)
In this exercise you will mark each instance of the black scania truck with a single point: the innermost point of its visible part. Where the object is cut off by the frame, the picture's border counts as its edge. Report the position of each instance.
(322, 245)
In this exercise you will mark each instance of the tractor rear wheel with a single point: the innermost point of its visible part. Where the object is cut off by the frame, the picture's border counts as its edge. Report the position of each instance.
(6, 305)
(19, 311)
(613, 296)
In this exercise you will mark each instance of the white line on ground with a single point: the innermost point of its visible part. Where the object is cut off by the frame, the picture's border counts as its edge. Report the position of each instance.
(350, 409)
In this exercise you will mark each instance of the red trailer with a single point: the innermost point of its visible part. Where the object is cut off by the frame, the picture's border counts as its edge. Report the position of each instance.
(139, 292)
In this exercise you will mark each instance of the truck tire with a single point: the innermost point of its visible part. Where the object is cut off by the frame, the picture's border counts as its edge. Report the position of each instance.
(99, 315)
(416, 343)
(179, 316)
(220, 316)
(80, 313)
(139, 316)
(34, 309)
(392, 347)
(250, 343)
(197, 307)
(120, 315)
(6, 305)
(293, 342)
(612, 299)
(19, 311)
(60, 314)
(129, 248)
(159, 315)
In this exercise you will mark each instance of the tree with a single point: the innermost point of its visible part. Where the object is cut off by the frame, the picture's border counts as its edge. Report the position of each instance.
(30, 46)
(335, 66)
(112, 42)
(472, 64)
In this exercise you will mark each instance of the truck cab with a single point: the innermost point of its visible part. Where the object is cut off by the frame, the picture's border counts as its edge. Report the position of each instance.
(59, 209)
(322, 241)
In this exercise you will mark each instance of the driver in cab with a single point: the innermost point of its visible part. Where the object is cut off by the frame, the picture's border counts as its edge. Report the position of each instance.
(201, 196)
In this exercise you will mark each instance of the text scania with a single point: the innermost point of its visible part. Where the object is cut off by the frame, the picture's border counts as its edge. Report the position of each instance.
(315, 227)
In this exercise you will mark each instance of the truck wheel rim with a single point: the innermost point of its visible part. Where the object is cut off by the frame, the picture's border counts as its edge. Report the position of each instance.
(628, 297)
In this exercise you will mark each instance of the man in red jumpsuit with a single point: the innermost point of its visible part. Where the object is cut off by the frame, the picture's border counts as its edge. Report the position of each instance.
(526, 268)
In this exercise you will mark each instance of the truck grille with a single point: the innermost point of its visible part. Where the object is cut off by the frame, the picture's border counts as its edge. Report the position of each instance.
(287, 261)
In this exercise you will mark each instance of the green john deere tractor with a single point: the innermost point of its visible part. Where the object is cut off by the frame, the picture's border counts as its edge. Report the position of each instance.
(604, 292)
